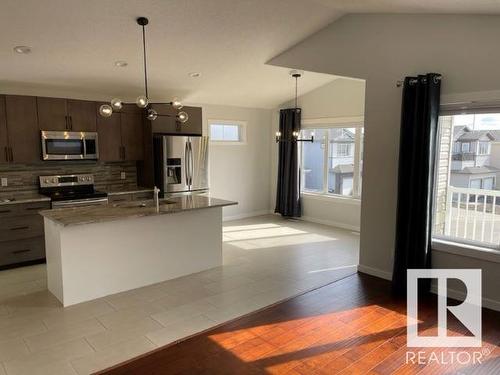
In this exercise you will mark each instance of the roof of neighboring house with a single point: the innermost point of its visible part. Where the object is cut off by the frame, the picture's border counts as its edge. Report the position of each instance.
(344, 168)
(459, 130)
(495, 134)
(475, 135)
(341, 135)
(477, 170)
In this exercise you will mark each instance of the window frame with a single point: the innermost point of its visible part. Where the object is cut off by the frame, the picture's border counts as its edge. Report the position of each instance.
(330, 123)
(480, 145)
(242, 132)
(455, 245)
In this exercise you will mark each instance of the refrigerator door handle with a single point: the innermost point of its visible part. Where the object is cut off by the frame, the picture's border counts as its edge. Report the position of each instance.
(191, 163)
(186, 162)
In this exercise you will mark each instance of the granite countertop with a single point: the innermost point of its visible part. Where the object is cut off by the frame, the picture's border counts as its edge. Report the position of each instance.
(137, 189)
(96, 214)
(25, 197)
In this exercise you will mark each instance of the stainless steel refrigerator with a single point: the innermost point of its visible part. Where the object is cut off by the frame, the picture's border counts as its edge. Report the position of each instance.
(180, 163)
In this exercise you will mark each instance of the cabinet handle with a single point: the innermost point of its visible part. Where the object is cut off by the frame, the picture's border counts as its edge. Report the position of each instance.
(70, 123)
(6, 153)
(5, 211)
(20, 228)
(124, 153)
(11, 154)
(21, 251)
(66, 122)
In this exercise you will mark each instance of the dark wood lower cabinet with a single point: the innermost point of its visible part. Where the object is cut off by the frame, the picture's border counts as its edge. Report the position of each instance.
(21, 233)
(21, 251)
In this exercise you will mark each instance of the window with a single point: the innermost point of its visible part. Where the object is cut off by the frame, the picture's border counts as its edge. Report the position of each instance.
(466, 195)
(331, 165)
(484, 148)
(344, 149)
(227, 132)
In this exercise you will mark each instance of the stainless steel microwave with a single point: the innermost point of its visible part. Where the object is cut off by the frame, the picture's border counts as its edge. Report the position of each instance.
(60, 145)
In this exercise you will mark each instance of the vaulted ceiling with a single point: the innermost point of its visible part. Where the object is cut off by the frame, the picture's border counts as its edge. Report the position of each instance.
(76, 42)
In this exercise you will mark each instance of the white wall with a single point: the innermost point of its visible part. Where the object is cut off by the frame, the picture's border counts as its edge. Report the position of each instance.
(384, 49)
(339, 99)
(241, 172)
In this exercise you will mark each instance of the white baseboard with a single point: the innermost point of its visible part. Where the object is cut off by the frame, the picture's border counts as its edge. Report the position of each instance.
(460, 296)
(375, 272)
(245, 215)
(331, 223)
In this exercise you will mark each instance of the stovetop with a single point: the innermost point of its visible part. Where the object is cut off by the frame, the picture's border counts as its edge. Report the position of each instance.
(69, 187)
(69, 193)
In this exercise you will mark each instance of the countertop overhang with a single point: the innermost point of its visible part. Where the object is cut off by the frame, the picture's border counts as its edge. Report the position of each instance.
(112, 212)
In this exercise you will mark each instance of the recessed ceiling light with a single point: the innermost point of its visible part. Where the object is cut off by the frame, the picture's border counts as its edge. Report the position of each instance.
(121, 64)
(195, 74)
(22, 49)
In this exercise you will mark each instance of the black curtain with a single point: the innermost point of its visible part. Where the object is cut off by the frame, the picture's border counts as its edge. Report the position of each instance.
(288, 190)
(417, 149)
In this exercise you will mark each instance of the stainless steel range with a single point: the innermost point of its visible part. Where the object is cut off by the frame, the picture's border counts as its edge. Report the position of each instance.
(73, 190)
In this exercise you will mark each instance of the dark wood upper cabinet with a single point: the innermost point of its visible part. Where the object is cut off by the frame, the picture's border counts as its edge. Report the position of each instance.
(82, 116)
(109, 131)
(166, 122)
(132, 136)
(52, 114)
(66, 114)
(22, 128)
(194, 124)
(4, 150)
(121, 135)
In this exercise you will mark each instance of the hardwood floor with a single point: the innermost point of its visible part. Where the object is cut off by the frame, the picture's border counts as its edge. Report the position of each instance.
(353, 326)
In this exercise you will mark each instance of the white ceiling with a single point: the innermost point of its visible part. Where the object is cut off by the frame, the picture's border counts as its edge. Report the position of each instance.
(76, 42)
(415, 6)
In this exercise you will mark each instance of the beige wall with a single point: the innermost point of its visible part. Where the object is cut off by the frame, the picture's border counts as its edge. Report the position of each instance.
(341, 98)
(241, 172)
(383, 49)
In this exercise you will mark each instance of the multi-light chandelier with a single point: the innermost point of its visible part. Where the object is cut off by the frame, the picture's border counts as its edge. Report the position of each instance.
(142, 101)
(295, 134)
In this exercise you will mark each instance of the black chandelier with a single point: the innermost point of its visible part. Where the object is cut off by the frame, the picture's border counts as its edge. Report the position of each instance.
(142, 101)
(295, 135)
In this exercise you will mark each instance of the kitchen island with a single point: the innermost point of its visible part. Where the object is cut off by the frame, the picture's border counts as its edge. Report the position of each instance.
(101, 250)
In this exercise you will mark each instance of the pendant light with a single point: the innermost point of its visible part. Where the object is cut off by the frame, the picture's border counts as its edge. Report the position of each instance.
(142, 101)
(295, 134)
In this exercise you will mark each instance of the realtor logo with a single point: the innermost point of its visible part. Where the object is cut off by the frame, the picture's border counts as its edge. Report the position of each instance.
(468, 312)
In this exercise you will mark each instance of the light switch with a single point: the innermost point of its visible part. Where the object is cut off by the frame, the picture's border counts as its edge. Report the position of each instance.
(4, 181)
(122, 175)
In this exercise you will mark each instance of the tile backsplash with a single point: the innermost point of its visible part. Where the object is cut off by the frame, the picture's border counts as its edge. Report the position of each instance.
(24, 177)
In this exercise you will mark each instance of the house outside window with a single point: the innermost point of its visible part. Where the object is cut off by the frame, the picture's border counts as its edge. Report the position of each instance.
(332, 164)
(466, 195)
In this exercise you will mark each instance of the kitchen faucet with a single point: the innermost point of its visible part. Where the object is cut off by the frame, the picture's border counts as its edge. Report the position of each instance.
(156, 191)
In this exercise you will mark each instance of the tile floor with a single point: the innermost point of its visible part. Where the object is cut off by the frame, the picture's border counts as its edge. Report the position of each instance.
(266, 260)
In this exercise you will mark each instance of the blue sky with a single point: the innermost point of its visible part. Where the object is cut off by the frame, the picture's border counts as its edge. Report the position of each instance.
(479, 121)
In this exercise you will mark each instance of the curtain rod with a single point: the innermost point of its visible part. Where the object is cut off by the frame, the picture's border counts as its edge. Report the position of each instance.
(401, 82)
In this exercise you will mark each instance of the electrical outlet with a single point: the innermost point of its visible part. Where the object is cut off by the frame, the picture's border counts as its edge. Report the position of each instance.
(4, 182)
(122, 175)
